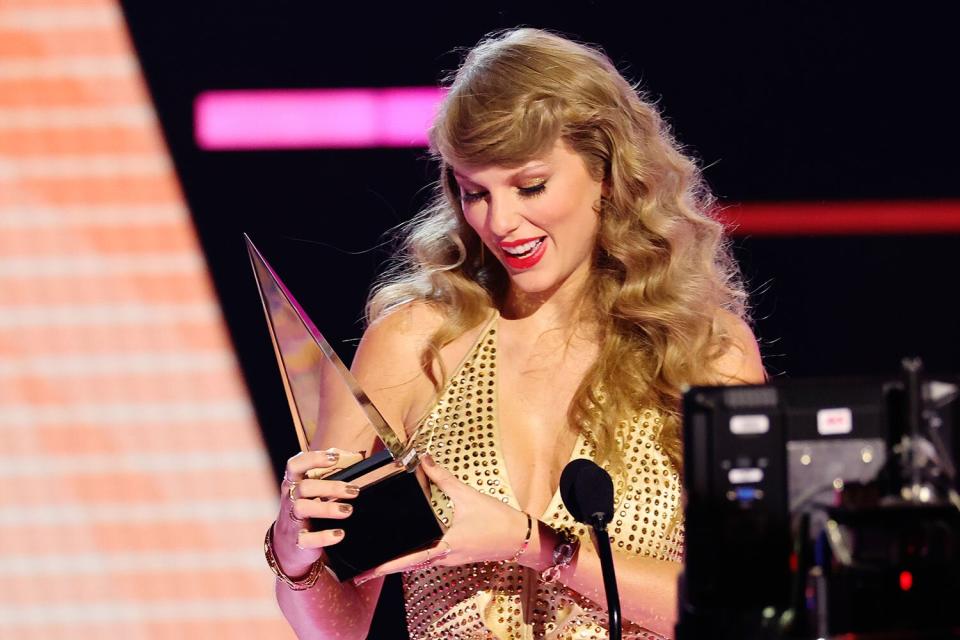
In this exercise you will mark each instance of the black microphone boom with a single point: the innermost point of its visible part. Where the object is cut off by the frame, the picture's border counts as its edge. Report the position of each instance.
(587, 493)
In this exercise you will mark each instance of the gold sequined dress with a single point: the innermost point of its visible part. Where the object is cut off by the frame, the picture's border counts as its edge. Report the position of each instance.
(503, 600)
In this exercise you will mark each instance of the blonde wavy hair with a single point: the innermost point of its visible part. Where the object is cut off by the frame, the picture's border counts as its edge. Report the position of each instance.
(661, 271)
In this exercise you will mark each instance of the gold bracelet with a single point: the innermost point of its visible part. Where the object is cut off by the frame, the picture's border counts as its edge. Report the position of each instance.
(562, 555)
(526, 539)
(299, 584)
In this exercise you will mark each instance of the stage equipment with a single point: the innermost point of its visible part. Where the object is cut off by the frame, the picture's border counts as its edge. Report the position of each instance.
(822, 507)
(587, 493)
(391, 516)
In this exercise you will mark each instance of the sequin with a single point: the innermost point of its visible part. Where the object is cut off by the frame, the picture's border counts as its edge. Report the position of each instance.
(486, 600)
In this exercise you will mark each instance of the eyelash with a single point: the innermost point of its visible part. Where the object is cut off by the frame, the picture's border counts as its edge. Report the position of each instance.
(526, 192)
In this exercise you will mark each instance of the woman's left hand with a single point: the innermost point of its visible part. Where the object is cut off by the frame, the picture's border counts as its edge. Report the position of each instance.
(484, 529)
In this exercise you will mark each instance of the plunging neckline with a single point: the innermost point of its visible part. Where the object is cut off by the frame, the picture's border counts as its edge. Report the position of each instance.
(556, 499)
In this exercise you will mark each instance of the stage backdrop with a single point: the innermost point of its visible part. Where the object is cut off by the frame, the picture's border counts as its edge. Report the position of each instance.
(834, 124)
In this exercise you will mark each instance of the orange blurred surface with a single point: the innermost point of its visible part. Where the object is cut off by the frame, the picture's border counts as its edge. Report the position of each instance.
(135, 485)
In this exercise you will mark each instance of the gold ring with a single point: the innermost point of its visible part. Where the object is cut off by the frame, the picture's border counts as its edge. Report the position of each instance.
(293, 516)
(292, 490)
(445, 552)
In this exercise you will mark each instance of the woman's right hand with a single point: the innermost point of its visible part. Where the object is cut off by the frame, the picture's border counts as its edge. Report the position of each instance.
(304, 494)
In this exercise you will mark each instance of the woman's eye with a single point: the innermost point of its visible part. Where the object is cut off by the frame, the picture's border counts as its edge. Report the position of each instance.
(533, 190)
(472, 197)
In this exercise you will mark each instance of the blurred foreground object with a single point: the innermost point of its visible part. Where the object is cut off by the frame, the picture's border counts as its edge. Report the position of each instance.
(136, 486)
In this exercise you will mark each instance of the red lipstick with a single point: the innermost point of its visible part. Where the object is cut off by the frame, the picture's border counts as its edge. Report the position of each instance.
(527, 260)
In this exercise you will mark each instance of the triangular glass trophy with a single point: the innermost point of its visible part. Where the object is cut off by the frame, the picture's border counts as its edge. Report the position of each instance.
(391, 516)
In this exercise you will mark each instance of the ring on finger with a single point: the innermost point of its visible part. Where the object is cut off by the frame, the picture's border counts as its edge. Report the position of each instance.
(423, 564)
(292, 491)
(443, 554)
(293, 516)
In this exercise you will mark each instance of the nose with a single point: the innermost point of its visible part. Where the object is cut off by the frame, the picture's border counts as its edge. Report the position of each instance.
(503, 215)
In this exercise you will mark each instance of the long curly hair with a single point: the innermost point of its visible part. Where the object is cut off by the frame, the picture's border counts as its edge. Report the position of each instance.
(662, 270)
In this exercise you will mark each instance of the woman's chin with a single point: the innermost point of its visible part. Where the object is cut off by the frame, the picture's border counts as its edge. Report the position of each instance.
(531, 284)
(534, 287)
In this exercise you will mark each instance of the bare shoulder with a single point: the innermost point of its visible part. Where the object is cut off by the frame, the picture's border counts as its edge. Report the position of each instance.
(740, 363)
(388, 361)
(389, 352)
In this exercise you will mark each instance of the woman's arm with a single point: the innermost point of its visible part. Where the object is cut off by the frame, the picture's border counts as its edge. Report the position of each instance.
(387, 366)
(647, 587)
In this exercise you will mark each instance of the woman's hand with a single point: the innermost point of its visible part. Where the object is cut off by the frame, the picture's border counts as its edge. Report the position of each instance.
(304, 494)
(483, 529)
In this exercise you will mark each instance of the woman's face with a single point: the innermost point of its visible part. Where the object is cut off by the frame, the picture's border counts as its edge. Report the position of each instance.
(538, 219)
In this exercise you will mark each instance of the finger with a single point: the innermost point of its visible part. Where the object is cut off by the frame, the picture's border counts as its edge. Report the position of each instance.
(319, 539)
(303, 509)
(435, 555)
(299, 464)
(290, 553)
(347, 458)
(393, 566)
(327, 489)
(446, 481)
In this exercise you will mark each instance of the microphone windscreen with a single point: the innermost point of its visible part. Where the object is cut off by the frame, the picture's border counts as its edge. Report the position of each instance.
(586, 489)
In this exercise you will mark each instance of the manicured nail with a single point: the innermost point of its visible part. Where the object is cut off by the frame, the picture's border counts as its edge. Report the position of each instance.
(345, 508)
(427, 460)
(353, 490)
(337, 533)
(333, 456)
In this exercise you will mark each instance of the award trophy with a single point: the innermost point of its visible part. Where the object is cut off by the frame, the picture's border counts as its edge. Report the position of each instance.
(391, 516)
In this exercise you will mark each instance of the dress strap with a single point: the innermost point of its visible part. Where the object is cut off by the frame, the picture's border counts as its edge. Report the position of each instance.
(471, 353)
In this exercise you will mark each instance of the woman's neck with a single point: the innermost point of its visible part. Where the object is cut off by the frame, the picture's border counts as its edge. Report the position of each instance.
(560, 308)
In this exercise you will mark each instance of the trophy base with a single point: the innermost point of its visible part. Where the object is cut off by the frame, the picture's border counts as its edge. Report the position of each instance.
(391, 517)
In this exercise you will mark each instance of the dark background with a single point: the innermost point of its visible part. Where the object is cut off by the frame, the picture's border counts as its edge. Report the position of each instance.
(778, 101)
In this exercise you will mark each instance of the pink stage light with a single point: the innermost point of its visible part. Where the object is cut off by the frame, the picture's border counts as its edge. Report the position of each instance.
(315, 118)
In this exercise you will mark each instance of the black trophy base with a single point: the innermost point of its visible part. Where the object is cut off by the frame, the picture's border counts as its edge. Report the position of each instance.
(391, 517)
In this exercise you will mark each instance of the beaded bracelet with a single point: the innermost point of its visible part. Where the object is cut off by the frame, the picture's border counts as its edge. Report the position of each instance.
(526, 539)
(300, 584)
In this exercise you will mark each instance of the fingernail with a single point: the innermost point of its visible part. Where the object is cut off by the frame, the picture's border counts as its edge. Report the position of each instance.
(427, 460)
(353, 490)
(345, 508)
(333, 456)
(337, 533)
(360, 581)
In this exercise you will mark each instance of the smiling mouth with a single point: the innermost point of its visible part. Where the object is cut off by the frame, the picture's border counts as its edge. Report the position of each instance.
(524, 250)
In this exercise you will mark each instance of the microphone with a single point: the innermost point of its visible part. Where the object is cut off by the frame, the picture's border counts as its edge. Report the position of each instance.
(587, 493)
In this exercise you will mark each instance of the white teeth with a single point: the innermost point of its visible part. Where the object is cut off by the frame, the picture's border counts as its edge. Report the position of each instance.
(526, 247)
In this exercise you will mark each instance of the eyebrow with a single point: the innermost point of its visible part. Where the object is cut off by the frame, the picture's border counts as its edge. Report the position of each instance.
(533, 165)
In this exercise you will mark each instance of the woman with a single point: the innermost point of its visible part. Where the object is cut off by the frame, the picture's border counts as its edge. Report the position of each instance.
(565, 284)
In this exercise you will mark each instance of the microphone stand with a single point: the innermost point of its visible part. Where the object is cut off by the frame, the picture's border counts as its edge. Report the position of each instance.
(602, 543)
